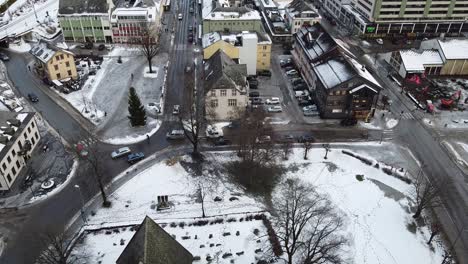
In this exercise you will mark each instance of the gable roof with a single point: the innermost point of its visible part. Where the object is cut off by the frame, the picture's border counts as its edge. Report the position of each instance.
(221, 72)
(152, 245)
(315, 41)
(296, 7)
(44, 51)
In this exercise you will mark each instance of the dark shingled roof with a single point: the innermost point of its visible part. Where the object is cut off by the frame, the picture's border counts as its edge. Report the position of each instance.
(152, 245)
(82, 6)
(316, 41)
(221, 72)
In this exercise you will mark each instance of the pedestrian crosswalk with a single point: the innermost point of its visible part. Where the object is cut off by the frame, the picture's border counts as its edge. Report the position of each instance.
(387, 134)
(407, 116)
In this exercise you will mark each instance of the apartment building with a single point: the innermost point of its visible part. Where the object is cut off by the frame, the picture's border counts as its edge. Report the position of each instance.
(19, 136)
(226, 87)
(52, 62)
(300, 13)
(342, 87)
(85, 21)
(411, 18)
(131, 20)
(232, 19)
(250, 48)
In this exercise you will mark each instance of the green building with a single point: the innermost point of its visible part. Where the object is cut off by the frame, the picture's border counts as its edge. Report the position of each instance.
(232, 19)
(85, 21)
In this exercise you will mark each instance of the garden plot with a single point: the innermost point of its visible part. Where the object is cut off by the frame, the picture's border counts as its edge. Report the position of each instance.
(230, 240)
(373, 199)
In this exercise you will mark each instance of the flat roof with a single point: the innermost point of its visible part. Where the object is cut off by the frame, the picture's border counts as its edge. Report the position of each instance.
(454, 49)
(415, 61)
(233, 13)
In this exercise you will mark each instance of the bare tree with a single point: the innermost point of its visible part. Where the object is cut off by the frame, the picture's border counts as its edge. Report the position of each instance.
(87, 148)
(149, 43)
(191, 117)
(307, 225)
(425, 194)
(286, 147)
(201, 193)
(307, 146)
(58, 249)
(435, 230)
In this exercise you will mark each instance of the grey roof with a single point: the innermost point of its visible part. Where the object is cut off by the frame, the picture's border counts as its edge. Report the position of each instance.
(334, 72)
(44, 51)
(152, 245)
(12, 125)
(67, 7)
(315, 41)
(298, 6)
(133, 3)
(221, 72)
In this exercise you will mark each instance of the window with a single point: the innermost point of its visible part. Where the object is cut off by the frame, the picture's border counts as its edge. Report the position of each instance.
(36, 135)
(13, 170)
(13, 152)
(213, 92)
(58, 75)
(56, 67)
(223, 92)
(33, 141)
(232, 102)
(67, 64)
(8, 159)
(61, 57)
(57, 57)
(32, 124)
(214, 103)
(4, 166)
(29, 129)
(264, 47)
(8, 177)
(69, 73)
(18, 165)
(234, 92)
(20, 144)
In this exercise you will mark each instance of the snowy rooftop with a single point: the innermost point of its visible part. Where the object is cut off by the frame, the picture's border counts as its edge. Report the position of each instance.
(268, 3)
(233, 38)
(315, 41)
(454, 49)
(299, 8)
(363, 72)
(333, 72)
(149, 13)
(44, 51)
(233, 13)
(10, 123)
(82, 6)
(415, 61)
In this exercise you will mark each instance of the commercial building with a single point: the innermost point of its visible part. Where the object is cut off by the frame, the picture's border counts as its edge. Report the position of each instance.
(130, 21)
(250, 48)
(231, 19)
(435, 57)
(53, 63)
(19, 136)
(382, 18)
(152, 245)
(226, 87)
(342, 87)
(85, 21)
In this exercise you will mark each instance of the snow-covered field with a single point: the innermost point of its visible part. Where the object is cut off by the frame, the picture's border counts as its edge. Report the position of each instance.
(376, 210)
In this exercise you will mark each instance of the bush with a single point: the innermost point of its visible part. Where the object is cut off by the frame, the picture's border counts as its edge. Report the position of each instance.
(275, 244)
(173, 224)
(182, 224)
(360, 177)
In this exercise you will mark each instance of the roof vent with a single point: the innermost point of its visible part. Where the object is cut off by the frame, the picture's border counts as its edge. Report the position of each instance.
(363, 68)
(14, 122)
(9, 131)
(3, 140)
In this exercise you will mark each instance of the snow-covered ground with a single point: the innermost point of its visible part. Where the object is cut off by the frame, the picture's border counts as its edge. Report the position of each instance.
(376, 210)
(20, 47)
(383, 119)
(138, 135)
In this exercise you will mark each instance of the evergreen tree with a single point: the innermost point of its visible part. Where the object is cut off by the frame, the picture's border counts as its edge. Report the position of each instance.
(136, 109)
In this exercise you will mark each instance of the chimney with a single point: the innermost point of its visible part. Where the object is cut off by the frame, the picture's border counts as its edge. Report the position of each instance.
(363, 68)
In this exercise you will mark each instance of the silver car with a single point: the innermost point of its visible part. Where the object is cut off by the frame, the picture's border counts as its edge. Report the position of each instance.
(120, 152)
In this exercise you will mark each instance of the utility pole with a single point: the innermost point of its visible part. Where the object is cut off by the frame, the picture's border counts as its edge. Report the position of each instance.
(82, 203)
(327, 149)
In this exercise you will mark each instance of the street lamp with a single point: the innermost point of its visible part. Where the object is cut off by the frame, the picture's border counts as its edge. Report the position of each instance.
(327, 149)
(82, 203)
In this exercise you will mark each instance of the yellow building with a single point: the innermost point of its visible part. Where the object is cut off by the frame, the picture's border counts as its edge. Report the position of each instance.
(250, 48)
(54, 63)
(454, 53)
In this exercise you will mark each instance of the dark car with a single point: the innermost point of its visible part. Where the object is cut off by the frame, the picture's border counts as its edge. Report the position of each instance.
(4, 57)
(254, 94)
(287, 52)
(300, 87)
(253, 82)
(349, 121)
(135, 157)
(190, 37)
(190, 28)
(288, 68)
(221, 142)
(264, 73)
(286, 139)
(87, 45)
(256, 101)
(305, 138)
(33, 98)
(251, 78)
(297, 81)
(304, 103)
(101, 47)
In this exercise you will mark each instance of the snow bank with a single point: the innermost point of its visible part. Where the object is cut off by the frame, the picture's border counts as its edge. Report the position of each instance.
(136, 137)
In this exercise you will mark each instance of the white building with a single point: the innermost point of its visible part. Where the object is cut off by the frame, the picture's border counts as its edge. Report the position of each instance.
(19, 136)
(129, 22)
(226, 87)
(299, 14)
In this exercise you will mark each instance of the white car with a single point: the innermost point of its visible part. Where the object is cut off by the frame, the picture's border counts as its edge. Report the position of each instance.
(180, 16)
(263, 139)
(213, 132)
(275, 109)
(379, 41)
(309, 108)
(176, 110)
(175, 134)
(155, 107)
(291, 72)
(120, 152)
(273, 100)
(303, 93)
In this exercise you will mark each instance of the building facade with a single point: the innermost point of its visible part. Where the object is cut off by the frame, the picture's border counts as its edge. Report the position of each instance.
(85, 21)
(19, 136)
(53, 63)
(342, 87)
(299, 13)
(250, 48)
(232, 19)
(226, 87)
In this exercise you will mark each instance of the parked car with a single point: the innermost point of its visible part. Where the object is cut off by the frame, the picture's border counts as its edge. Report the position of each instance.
(291, 72)
(175, 134)
(135, 157)
(304, 102)
(297, 81)
(251, 77)
(264, 73)
(176, 110)
(213, 132)
(87, 45)
(379, 41)
(263, 139)
(275, 109)
(155, 107)
(305, 138)
(120, 152)
(300, 87)
(349, 121)
(273, 100)
(288, 68)
(256, 100)
(286, 62)
(309, 108)
(254, 94)
(180, 16)
(286, 138)
(4, 57)
(253, 82)
(311, 113)
(33, 98)
(101, 47)
(301, 93)
(221, 142)
(190, 37)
